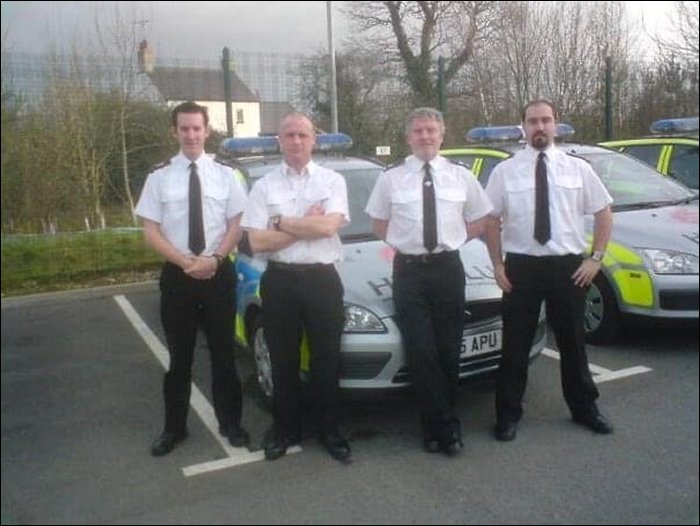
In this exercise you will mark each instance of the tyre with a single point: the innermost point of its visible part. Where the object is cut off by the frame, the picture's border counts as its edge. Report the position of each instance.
(261, 355)
(601, 314)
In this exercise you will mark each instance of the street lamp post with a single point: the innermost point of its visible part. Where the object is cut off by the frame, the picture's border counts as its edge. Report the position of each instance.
(334, 82)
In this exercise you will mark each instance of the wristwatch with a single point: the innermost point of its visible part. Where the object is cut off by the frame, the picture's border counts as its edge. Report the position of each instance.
(597, 256)
(219, 259)
(276, 222)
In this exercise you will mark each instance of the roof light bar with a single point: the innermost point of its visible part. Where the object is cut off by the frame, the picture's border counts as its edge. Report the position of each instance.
(244, 146)
(511, 133)
(689, 124)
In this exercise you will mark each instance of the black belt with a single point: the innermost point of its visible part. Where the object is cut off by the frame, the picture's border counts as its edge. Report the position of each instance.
(298, 267)
(426, 258)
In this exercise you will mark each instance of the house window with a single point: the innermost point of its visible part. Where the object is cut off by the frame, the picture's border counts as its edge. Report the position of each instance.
(239, 117)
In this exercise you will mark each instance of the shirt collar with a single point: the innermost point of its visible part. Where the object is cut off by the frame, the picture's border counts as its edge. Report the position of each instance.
(199, 161)
(414, 163)
(551, 152)
(309, 169)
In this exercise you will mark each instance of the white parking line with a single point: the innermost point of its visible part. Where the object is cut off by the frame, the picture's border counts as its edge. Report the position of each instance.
(236, 455)
(601, 374)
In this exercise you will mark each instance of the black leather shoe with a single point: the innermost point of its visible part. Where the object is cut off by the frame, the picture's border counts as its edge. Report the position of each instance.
(452, 448)
(276, 446)
(336, 445)
(505, 431)
(595, 422)
(166, 442)
(237, 436)
(431, 445)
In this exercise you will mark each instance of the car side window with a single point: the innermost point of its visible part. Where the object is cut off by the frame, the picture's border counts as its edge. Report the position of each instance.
(684, 165)
(649, 153)
(487, 168)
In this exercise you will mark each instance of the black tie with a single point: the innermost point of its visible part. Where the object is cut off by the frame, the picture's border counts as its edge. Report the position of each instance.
(542, 226)
(196, 243)
(429, 221)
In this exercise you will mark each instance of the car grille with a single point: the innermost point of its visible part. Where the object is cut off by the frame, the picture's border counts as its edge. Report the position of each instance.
(362, 365)
(678, 300)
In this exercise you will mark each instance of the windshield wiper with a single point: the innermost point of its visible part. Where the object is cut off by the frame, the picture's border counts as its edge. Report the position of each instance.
(365, 236)
(687, 200)
(642, 205)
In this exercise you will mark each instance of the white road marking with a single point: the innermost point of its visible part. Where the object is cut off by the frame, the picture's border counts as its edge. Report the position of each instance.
(236, 455)
(601, 374)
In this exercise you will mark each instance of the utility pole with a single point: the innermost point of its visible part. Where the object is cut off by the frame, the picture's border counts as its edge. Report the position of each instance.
(334, 82)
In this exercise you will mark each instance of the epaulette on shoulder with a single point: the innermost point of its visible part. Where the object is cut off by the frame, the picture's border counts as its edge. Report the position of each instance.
(577, 156)
(160, 165)
(458, 163)
(396, 164)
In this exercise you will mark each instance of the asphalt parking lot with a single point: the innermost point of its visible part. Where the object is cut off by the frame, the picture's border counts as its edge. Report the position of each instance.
(81, 402)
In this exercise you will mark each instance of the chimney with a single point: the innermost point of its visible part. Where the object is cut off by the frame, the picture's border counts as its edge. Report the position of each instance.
(147, 57)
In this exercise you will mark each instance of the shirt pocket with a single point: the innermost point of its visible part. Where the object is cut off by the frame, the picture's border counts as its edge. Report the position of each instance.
(407, 205)
(216, 200)
(280, 204)
(317, 196)
(451, 205)
(174, 200)
(521, 195)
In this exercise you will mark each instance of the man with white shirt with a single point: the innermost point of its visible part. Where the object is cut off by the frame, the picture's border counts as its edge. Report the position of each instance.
(540, 197)
(293, 215)
(427, 207)
(191, 208)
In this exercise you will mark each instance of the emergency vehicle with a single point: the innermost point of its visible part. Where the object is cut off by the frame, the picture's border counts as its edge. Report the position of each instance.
(650, 268)
(372, 355)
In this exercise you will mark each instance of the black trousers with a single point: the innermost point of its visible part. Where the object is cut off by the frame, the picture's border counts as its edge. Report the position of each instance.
(298, 298)
(537, 279)
(429, 298)
(185, 303)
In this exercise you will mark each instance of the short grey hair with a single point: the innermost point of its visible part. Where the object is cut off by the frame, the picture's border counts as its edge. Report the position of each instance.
(425, 113)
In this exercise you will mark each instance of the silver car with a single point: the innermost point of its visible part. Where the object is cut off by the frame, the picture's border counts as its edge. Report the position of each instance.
(372, 356)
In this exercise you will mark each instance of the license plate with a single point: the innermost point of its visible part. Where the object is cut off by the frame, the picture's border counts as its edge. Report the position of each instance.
(474, 344)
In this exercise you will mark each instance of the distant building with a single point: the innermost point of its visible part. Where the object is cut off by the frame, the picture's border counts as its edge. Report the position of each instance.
(205, 87)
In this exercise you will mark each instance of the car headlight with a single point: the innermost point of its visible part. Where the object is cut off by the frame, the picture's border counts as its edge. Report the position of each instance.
(670, 261)
(360, 319)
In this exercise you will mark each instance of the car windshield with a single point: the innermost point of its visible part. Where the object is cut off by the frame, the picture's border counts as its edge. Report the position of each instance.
(633, 184)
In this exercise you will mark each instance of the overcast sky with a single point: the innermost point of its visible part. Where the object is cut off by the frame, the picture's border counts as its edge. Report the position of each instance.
(200, 30)
(188, 30)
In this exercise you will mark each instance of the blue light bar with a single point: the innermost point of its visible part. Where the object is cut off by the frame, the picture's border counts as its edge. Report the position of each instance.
(495, 134)
(689, 124)
(333, 142)
(511, 133)
(245, 146)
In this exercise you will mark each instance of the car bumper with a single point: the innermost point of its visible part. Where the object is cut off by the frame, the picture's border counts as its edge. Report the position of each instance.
(377, 361)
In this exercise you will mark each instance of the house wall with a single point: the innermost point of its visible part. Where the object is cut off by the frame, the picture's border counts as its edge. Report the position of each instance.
(217, 116)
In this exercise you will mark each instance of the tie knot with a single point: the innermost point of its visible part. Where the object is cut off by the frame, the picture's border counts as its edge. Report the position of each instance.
(193, 166)
(542, 156)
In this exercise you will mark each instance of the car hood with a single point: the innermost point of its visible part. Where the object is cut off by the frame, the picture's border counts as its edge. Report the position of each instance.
(666, 228)
(367, 267)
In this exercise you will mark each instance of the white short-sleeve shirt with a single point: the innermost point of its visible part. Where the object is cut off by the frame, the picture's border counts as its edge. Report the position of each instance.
(285, 192)
(165, 200)
(398, 198)
(574, 191)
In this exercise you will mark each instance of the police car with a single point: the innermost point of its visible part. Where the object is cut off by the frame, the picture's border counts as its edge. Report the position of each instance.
(371, 354)
(673, 150)
(651, 264)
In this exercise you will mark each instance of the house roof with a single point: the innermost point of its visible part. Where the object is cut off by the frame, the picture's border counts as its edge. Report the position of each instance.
(271, 114)
(177, 83)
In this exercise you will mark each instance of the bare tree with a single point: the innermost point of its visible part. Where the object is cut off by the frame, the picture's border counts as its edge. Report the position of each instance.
(417, 33)
(684, 42)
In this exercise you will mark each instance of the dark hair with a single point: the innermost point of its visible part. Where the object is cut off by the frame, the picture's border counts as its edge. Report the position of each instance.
(535, 102)
(189, 107)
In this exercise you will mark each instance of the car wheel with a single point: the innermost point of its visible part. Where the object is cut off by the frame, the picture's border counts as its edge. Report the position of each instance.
(601, 315)
(263, 365)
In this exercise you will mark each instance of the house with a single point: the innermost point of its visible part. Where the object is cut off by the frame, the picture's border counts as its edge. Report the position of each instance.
(205, 87)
